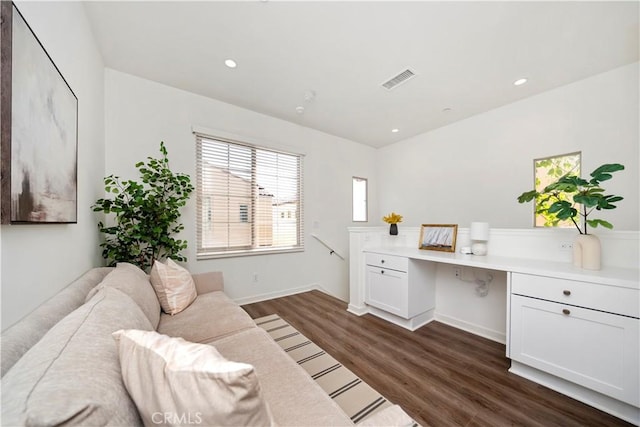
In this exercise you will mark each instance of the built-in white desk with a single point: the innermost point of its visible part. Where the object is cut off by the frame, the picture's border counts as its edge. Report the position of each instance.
(615, 276)
(573, 330)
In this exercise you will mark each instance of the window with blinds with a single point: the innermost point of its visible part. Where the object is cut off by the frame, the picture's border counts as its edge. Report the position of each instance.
(249, 199)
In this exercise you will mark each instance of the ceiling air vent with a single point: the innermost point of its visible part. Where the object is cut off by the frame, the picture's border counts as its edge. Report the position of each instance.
(399, 79)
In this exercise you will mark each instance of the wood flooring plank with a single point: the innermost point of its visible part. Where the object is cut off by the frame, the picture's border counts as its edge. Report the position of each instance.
(440, 375)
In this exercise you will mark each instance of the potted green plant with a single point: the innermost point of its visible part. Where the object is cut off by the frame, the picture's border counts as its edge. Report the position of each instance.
(575, 199)
(145, 214)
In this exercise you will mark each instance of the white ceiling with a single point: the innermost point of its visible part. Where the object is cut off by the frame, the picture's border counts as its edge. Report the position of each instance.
(466, 54)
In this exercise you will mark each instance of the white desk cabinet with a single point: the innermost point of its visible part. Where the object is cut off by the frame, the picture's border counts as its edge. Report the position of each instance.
(586, 333)
(399, 289)
(575, 331)
(388, 290)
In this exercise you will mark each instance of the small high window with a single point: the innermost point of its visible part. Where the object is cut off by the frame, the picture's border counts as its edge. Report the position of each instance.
(360, 213)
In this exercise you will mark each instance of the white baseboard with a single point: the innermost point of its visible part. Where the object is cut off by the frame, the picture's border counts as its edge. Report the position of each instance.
(283, 293)
(422, 320)
(357, 310)
(278, 294)
(411, 324)
(600, 401)
(472, 328)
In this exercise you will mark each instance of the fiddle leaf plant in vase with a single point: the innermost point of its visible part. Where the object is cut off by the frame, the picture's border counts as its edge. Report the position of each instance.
(575, 199)
(145, 214)
(393, 219)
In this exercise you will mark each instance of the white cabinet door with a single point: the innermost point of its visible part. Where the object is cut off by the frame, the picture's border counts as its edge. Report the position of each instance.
(595, 349)
(387, 290)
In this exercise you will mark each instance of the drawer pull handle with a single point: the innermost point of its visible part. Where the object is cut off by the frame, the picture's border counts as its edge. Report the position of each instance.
(566, 292)
(381, 271)
(382, 261)
(566, 311)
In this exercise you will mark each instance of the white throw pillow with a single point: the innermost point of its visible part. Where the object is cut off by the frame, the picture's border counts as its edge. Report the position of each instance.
(174, 286)
(176, 382)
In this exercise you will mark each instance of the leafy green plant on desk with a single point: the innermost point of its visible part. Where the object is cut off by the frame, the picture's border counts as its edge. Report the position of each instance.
(575, 198)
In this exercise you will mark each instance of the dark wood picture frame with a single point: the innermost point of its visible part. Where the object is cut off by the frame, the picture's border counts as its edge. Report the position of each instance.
(38, 130)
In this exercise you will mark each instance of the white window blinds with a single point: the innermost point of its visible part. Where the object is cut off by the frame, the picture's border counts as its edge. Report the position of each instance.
(249, 199)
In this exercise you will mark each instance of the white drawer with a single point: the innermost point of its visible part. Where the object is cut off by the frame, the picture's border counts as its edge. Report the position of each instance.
(611, 299)
(392, 262)
(594, 349)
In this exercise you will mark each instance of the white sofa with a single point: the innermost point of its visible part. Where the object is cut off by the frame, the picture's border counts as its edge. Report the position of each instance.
(60, 364)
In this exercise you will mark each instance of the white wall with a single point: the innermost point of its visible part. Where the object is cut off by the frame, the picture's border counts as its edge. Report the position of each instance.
(474, 169)
(141, 113)
(470, 170)
(39, 260)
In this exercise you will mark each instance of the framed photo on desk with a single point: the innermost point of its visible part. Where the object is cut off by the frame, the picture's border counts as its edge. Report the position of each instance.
(438, 237)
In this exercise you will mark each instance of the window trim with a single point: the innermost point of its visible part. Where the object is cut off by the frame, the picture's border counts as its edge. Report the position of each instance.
(203, 253)
(535, 202)
(366, 199)
(241, 253)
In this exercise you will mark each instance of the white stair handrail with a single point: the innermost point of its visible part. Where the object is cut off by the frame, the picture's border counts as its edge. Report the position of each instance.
(331, 250)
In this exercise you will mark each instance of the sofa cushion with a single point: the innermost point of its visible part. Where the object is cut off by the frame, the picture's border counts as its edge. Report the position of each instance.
(20, 337)
(173, 285)
(174, 381)
(210, 316)
(294, 398)
(72, 376)
(134, 282)
(208, 282)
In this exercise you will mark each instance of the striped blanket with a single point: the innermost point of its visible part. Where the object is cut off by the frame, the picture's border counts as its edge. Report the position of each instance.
(356, 398)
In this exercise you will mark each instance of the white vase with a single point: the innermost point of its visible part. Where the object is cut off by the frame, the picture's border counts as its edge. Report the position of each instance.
(586, 252)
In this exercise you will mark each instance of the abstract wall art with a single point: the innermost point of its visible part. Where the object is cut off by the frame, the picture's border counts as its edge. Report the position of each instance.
(39, 129)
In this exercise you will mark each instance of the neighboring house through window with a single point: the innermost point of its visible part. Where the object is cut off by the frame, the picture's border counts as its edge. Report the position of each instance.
(244, 213)
(249, 198)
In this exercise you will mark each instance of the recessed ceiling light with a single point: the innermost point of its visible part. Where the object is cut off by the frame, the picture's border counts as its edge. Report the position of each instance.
(395, 130)
(300, 109)
(520, 82)
(230, 63)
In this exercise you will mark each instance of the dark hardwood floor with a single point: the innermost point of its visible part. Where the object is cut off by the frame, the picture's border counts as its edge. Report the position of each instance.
(440, 375)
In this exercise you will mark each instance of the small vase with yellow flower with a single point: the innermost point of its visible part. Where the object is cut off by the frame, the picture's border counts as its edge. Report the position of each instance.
(393, 219)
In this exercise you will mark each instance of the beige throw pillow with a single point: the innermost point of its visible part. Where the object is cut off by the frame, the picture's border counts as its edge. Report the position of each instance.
(173, 285)
(134, 282)
(175, 382)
